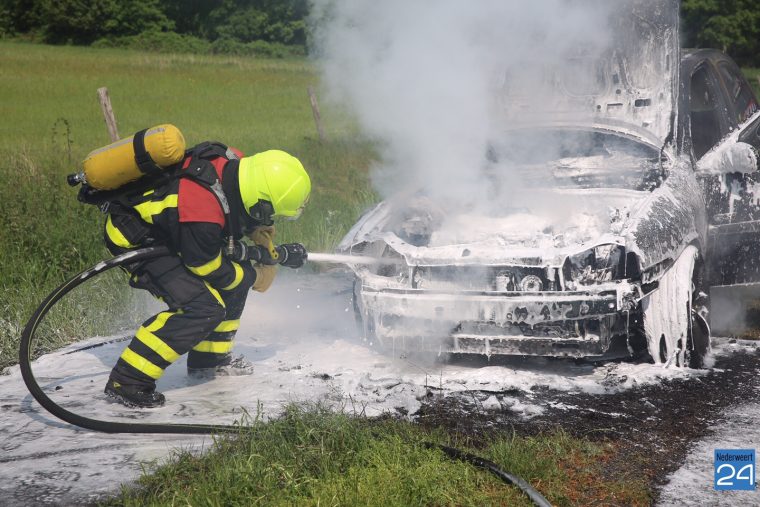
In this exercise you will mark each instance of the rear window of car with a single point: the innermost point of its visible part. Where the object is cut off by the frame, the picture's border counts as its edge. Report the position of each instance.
(739, 92)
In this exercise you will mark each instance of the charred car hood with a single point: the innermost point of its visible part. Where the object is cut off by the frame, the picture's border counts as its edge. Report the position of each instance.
(629, 84)
(543, 229)
(626, 90)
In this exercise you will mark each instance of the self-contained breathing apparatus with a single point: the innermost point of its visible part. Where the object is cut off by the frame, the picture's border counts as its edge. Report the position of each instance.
(114, 175)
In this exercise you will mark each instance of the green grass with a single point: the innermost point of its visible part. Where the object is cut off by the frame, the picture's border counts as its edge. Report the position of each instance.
(315, 457)
(51, 119)
(754, 79)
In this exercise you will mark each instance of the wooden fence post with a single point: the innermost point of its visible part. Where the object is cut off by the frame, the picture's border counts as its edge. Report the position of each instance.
(105, 105)
(315, 111)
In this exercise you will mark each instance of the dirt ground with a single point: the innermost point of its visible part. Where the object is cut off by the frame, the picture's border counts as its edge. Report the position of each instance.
(651, 428)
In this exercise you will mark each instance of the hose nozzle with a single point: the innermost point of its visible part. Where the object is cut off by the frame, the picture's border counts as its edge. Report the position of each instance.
(273, 250)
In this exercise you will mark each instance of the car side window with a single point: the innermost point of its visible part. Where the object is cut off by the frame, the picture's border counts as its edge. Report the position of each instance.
(739, 92)
(752, 134)
(703, 112)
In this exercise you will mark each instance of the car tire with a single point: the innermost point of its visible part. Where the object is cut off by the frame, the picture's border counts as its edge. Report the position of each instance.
(698, 343)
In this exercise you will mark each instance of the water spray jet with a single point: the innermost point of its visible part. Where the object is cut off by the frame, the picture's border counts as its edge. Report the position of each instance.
(328, 258)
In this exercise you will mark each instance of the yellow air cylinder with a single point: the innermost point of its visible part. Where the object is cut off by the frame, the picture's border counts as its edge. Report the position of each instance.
(114, 165)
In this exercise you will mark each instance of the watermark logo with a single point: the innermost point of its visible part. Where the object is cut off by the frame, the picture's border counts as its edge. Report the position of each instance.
(735, 469)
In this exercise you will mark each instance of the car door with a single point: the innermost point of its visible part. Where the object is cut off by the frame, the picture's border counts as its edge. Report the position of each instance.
(707, 108)
(731, 181)
(741, 98)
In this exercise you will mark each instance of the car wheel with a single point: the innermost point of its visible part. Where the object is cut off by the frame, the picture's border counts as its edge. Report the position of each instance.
(698, 343)
(677, 329)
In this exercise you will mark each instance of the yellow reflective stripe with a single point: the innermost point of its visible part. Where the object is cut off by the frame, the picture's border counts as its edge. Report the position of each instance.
(208, 268)
(141, 364)
(228, 325)
(115, 235)
(148, 209)
(238, 277)
(216, 294)
(213, 347)
(156, 344)
(160, 321)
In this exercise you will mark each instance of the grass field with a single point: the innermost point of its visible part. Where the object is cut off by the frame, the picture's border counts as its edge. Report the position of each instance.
(51, 119)
(314, 457)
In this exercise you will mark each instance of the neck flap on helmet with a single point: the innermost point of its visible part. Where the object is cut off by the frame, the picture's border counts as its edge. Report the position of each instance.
(244, 221)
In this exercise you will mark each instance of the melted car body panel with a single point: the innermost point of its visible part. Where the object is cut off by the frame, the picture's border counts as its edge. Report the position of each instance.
(629, 81)
(554, 276)
(607, 239)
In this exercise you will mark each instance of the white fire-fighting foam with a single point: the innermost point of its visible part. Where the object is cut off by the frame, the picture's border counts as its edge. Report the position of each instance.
(692, 484)
(666, 310)
(305, 348)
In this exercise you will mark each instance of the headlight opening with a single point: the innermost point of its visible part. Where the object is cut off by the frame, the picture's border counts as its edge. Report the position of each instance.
(600, 264)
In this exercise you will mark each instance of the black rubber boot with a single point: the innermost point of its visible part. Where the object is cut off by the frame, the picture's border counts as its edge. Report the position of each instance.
(134, 396)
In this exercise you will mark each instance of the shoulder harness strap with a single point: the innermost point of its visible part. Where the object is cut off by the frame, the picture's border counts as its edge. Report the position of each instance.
(201, 171)
(209, 150)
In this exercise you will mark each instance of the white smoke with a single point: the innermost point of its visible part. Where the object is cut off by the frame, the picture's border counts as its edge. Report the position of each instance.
(424, 77)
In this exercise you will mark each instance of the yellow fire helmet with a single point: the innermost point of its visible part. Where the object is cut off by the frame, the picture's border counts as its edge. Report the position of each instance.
(276, 178)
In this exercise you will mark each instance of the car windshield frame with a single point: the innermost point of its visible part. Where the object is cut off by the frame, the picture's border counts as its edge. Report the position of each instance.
(537, 159)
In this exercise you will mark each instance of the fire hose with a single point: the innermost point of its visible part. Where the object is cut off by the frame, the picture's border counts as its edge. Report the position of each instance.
(26, 351)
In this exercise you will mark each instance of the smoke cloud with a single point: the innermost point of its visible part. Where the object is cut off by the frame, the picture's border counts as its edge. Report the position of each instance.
(427, 78)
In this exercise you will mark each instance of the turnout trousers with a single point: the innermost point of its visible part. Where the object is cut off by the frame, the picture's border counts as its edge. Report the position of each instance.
(199, 321)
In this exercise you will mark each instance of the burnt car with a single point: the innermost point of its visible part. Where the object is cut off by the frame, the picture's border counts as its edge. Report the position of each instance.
(648, 196)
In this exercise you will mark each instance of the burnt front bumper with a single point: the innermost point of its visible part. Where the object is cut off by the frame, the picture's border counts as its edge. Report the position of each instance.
(546, 323)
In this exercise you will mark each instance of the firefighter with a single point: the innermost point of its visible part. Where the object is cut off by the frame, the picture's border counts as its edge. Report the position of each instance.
(203, 281)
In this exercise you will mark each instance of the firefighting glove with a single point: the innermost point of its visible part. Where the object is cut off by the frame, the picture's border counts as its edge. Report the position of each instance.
(264, 277)
(292, 255)
(263, 235)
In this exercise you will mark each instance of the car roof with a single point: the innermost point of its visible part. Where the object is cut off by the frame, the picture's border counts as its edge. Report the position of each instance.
(693, 56)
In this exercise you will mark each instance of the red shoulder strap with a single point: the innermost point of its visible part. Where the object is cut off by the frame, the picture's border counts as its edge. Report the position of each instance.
(197, 204)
